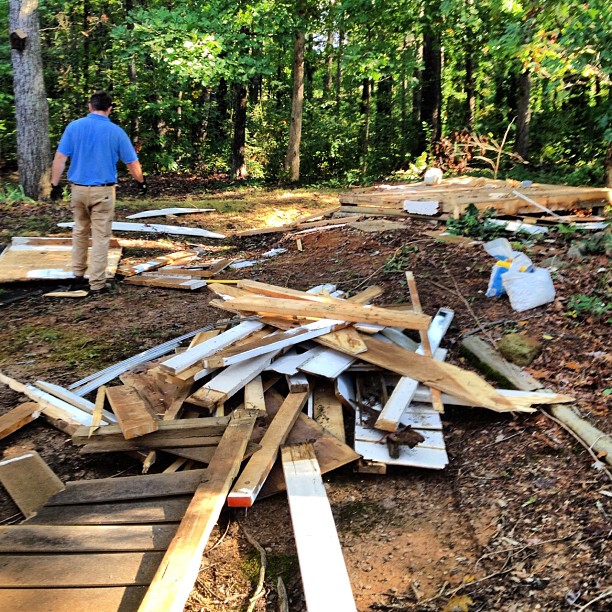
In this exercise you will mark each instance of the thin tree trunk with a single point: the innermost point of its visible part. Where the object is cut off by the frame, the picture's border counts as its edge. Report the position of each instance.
(366, 97)
(329, 64)
(470, 89)
(31, 109)
(431, 96)
(239, 169)
(292, 159)
(521, 146)
(339, 68)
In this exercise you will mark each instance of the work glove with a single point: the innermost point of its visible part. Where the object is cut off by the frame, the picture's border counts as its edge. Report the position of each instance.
(142, 187)
(56, 192)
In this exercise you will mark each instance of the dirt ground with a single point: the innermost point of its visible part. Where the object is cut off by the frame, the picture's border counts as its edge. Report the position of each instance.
(520, 519)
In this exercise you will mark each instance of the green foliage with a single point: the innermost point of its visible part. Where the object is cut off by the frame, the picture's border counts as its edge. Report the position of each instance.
(474, 223)
(400, 260)
(582, 305)
(13, 194)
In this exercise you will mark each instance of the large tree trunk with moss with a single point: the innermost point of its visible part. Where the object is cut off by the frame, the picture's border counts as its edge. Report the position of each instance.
(31, 109)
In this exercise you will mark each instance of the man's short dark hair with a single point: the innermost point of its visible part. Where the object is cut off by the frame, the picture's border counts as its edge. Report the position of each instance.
(100, 101)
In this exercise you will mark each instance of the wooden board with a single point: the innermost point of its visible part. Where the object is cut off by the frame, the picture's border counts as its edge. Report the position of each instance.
(102, 599)
(50, 539)
(76, 570)
(248, 485)
(341, 310)
(324, 575)
(328, 410)
(164, 281)
(127, 487)
(161, 510)
(331, 453)
(16, 418)
(29, 481)
(179, 568)
(127, 269)
(30, 258)
(132, 413)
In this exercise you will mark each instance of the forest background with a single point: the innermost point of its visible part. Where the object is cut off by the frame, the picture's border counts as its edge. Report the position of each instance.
(387, 86)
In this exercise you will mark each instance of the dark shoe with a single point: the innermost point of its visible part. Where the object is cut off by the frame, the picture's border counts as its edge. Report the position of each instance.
(101, 291)
(79, 282)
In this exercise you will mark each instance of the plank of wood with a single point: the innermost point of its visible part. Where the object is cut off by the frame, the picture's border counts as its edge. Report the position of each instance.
(132, 413)
(50, 539)
(136, 512)
(367, 295)
(146, 443)
(80, 293)
(433, 437)
(298, 383)
(179, 568)
(147, 387)
(324, 574)
(178, 363)
(166, 281)
(277, 291)
(344, 311)
(427, 458)
(254, 395)
(78, 570)
(276, 341)
(156, 228)
(233, 378)
(443, 376)
(322, 361)
(288, 362)
(17, 417)
(328, 410)
(331, 453)
(128, 269)
(102, 599)
(162, 212)
(29, 481)
(201, 427)
(106, 490)
(248, 485)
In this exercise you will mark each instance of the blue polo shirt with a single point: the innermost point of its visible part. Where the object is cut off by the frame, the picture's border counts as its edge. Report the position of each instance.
(94, 145)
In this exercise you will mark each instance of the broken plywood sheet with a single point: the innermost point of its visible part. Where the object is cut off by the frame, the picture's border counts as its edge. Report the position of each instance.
(31, 258)
(163, 281)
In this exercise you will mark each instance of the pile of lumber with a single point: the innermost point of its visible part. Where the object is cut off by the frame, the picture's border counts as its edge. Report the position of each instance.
(299, 384)
(453, 196)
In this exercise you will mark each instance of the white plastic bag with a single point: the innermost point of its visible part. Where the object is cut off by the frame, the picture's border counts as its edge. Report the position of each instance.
(528, 290)
(507, 260)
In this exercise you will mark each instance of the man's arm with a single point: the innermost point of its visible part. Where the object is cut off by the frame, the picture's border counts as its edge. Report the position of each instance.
(57, 168)
(136, 171)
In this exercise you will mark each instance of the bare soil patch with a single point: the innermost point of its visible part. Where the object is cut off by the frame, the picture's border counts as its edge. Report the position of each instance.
(519, 521)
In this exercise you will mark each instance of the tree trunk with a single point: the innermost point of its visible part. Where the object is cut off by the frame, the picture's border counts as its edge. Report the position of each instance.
(431, 88)
(608, 163)
(339, 68)
(239, 169)
(31, 109)
(292, 159)
(521, 146)
(328, 78)
(366, 97)
(470, 88)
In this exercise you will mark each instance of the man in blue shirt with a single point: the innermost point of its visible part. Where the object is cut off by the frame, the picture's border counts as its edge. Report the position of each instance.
(94, 145)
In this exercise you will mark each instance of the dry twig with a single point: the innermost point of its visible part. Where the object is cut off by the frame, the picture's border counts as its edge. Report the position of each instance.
(259, 590)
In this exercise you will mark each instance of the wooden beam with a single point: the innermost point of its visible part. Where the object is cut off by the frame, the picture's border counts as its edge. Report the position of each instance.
(324, 575)
(17, 417)
(131, 412)
(178, 363)
(254, 395)
(328, 410)
(248, 485)
(179, 568)
(344, 311)
(50, 539)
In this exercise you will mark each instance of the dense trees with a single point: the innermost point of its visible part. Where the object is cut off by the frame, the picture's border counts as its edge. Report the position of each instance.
(330, 89)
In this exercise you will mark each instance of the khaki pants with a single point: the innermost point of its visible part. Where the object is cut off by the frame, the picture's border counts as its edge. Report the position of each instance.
(93, 209)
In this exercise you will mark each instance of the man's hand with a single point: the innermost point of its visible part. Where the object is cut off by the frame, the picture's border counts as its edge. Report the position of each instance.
(142, 187)
(56, 192)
